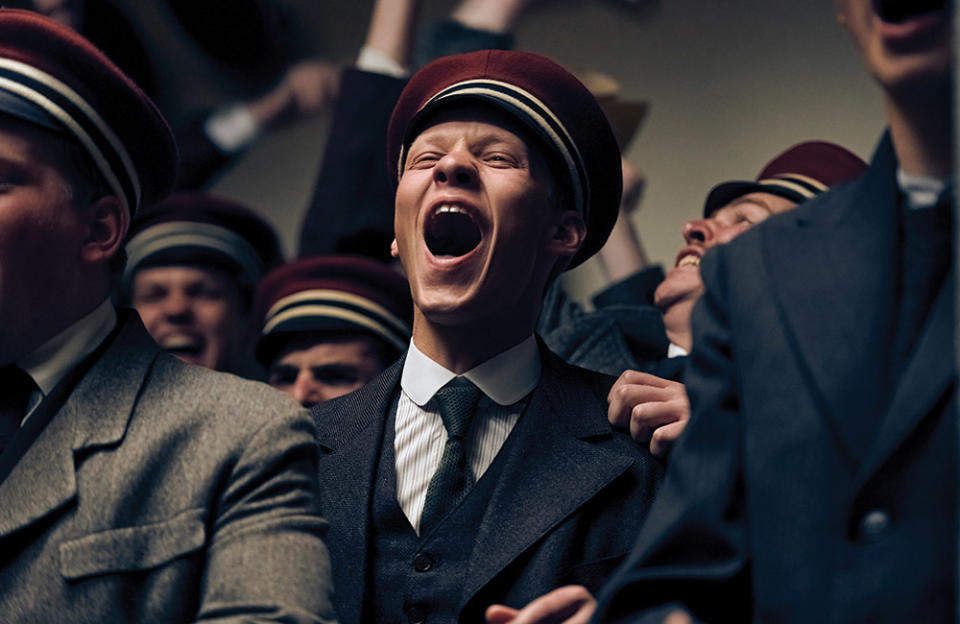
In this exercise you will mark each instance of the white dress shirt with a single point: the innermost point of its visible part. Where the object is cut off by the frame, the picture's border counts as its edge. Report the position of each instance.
(921, 191)
(419, 435)
(48, 364)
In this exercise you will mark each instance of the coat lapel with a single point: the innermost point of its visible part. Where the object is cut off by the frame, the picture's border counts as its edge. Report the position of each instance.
(349, 434)
(838, 303)
(552, 470)
(928, 376)
(95, 414)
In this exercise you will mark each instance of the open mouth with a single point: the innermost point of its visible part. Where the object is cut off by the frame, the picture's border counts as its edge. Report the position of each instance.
(183, 345)
(451, 231)
(898, 11)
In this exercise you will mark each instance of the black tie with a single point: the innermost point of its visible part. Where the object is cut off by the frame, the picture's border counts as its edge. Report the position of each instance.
(16, 386)
(453, 478)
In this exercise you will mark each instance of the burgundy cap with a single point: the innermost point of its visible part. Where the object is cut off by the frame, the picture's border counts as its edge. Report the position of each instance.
(544, 97)
(198, 228)
(51, 76)
(800, 173)
(330, 293)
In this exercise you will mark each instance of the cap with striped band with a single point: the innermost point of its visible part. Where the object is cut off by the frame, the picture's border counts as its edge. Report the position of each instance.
(50, 75)
(799, 173)
(333, 294)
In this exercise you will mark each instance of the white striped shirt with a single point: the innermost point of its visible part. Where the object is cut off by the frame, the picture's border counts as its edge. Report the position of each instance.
(419, 435)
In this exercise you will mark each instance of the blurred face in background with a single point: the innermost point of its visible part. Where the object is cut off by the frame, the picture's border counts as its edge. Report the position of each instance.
(312, 371)
(682, 285)
(195, 313)
(904, 43)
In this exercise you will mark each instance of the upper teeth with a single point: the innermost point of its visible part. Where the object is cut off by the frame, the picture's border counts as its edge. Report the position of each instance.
(690, 260)
(449, 208)
(179, 341)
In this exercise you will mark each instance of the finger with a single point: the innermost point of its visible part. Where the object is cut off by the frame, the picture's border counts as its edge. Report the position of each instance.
(628, 396)
(646, 417)
(663, 438)
(560, 605)
(500, 614)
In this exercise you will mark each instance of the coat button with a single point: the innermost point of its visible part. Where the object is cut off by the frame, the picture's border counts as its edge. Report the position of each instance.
(415, 615)
(422, 562)
(874, 524)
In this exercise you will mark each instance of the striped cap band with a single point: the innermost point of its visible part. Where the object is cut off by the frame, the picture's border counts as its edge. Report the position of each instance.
(801, 186)
(534, 113)
(171, 235)
(81, 120)
(340, 306)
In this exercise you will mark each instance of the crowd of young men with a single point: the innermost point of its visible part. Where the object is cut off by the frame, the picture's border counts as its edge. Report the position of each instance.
(453, 467)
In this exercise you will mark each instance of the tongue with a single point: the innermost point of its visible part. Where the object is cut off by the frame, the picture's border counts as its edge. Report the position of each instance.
(901, 10)
(452, 234)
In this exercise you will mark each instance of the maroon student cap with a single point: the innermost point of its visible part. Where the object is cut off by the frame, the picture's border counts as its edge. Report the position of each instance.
(544, 97)
(52, 77)
(333, 293)
(798, 174)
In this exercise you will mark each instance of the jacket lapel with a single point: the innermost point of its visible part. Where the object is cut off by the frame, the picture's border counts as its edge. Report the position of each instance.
(929, 374)
(838, 303)
(552, 470)
(95, 414)
(349, 434)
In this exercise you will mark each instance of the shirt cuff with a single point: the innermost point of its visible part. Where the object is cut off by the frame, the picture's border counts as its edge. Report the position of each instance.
(231, 129)
(376, 62)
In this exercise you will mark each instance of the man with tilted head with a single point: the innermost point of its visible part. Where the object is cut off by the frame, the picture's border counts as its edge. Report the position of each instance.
(133, 487)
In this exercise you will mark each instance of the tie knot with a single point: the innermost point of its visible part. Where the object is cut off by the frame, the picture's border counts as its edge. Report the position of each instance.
(456, 401)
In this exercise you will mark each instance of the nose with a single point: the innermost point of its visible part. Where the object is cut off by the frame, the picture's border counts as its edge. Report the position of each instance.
(304, 389)
(456, 168)
(698, 231)
(177, 307)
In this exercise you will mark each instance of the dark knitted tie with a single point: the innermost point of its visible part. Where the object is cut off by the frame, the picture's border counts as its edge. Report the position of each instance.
(453, 479)
(15, 389)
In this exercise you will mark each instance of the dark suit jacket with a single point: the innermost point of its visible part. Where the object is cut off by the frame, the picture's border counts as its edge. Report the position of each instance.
(567, 510)
(806, 488)
(162, 492)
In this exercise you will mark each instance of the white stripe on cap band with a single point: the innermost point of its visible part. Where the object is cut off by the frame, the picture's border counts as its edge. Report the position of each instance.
(475, 87)
(790, 186)
(64, 90)
(172, 234)
(336, 296)
(336, 312)
(805, 179)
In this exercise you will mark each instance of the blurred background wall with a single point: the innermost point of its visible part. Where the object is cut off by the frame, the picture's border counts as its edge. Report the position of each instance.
(730, 83)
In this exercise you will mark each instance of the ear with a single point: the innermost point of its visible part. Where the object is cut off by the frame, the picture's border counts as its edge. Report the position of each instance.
(394, 250)
(107, 222)
(568, 234)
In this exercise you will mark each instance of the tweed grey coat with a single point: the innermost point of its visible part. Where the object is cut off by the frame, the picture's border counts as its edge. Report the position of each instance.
(162, 492)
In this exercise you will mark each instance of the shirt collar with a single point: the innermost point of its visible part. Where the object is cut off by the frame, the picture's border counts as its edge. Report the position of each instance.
(676, 351)
(505, 378)
(920, 191)
(48, 364)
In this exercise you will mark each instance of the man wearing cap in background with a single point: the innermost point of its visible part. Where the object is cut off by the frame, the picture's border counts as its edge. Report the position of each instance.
(330, 324)
(819, 466)
(653, 401)
(133, 488)
(481, 468)
(193, 261)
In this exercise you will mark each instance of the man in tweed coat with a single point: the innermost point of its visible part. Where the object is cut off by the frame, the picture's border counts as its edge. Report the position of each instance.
(133, 487)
